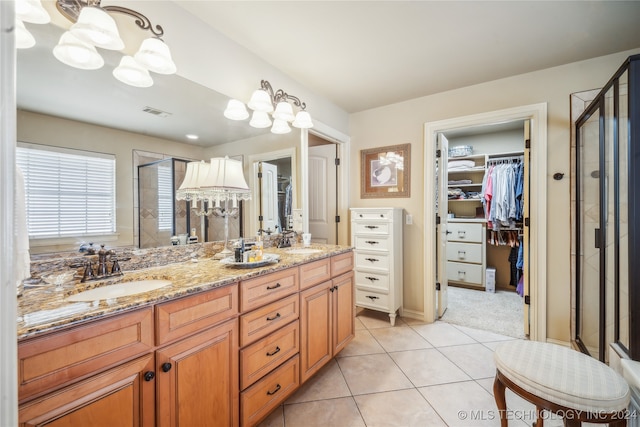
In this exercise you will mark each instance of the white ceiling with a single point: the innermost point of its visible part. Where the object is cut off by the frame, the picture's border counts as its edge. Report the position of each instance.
(357, 54)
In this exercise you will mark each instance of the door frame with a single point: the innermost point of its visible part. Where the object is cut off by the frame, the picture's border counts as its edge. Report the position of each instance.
(537, 114)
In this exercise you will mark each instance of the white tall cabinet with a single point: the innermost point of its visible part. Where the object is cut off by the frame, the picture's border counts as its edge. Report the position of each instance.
(376, 234)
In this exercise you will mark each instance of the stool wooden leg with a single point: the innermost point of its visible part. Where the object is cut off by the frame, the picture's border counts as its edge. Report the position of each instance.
(501, 402)
(539, 418)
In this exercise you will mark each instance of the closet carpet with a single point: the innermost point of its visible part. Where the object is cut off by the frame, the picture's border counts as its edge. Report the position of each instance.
(499, 312)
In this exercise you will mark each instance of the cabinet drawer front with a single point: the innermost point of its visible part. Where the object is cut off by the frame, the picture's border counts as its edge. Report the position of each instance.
(379, 214)
(372, 300)
(265, 289)
(260, 358)
(373, 281)
(315, 272)
(364, 227)
(341, 264)
(48, 362)
(372, 243)
(260, 399)
(185, 316)
(465, 273)
(465, 232)
(464, 252)
(261, 322)
(369, 261)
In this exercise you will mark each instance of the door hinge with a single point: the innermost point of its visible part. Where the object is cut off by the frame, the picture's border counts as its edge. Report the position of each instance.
(527, 300)
(437, 219)
(259, 217)
(526, 222)
(336, 161)
(259, 174)
(527, 143)
(337, 218)
(437, 286)
(438, 153)
(597, 238)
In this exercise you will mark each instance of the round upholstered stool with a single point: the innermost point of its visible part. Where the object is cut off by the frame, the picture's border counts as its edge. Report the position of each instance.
(568, 383)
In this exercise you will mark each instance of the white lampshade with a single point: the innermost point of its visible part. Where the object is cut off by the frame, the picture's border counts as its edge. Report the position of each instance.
(195, 175)
(260, 119)
(155, 56)
(132, 73)
(32, 11)
(260, 101)
(76, 53)
(24, 39)
(97, 27)
(280, 127)
(303, 120)
(226, 174)
(284, 111)
(236, 110)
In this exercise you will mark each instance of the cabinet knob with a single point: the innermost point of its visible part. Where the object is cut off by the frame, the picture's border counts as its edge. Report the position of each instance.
(149, 375)
(166, 367)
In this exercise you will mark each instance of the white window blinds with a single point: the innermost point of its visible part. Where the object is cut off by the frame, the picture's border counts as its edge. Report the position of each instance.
(165, 196)
(68, 192)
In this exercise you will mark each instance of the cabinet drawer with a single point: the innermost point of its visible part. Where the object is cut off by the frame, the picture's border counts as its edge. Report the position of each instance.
(379, 214)
(260, 399)
(373, 281)
(465, 232)
(374, 300)
(50, 361)
(261, 322)
(341, 264)
(315, 272)
(464, 252)
(186, 316)
(369, 261)
(364, 227)
(265, 289)
(372, 243)
(464, 273)
(260, 358)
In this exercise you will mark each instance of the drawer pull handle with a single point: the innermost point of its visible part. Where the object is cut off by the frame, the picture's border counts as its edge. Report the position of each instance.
(149, 375)
(274, 317)
(372, 259)
(371, 227)
(372, 298)
(166, 367)
(371, 242)
(373, 279)
(462, 233)
(275, 390)
(276, 351)
(461, 273)
(462, 253)
(270, 288)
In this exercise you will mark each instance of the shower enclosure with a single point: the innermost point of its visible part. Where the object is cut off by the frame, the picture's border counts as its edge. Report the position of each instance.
(607, 184)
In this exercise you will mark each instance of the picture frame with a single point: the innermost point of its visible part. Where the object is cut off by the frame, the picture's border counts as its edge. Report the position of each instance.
(385, 172)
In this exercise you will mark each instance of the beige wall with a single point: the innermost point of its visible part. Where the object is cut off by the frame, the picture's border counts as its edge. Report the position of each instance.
(48, 130)
(403, 123)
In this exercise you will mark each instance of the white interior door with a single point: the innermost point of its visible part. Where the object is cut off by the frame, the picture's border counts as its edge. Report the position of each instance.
(525, 228)
(268, 178)
(442, 228)
(322, 193)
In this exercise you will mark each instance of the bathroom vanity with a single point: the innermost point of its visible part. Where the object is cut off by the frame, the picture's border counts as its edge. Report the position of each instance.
(220, 346)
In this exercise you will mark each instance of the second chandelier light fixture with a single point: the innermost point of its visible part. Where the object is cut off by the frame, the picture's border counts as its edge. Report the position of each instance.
(265, 101)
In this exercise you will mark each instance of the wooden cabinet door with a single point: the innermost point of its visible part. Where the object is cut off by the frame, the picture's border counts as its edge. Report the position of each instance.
(121, 396)
(316, 325)
(197, 379)
(343, 312)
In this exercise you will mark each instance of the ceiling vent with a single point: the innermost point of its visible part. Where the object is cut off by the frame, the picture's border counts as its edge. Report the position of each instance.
(156, 112)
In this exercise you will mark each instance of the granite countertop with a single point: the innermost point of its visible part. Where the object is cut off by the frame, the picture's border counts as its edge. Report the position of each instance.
(43, 309)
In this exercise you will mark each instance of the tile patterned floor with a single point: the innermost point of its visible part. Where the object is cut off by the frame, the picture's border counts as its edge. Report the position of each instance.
(412, 374)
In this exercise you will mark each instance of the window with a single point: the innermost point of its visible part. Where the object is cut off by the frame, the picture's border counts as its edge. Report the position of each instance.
(165, 196)
(69, 193)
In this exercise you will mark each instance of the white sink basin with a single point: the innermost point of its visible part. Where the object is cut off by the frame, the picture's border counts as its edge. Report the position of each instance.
(304, 251)
(120, 290)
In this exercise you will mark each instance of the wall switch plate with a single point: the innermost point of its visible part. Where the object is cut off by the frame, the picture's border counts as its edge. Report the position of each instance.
(409, 219)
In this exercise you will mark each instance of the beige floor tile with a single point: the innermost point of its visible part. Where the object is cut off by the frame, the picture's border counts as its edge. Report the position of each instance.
(475, 360)
(428, 367)
(493, 344)
(275, 419)
(440, 334)
(482, 336)
(372, 319)
(399, 339)
(372, 373)
(363, 343)
(328, 383)
(405, 408)
(324, 413)
(359, 324)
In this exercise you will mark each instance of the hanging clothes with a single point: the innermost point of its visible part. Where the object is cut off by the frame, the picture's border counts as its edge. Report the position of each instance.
(502, 192)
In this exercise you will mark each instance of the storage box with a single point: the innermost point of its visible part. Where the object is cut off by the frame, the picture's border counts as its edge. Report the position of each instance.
(490, 279)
